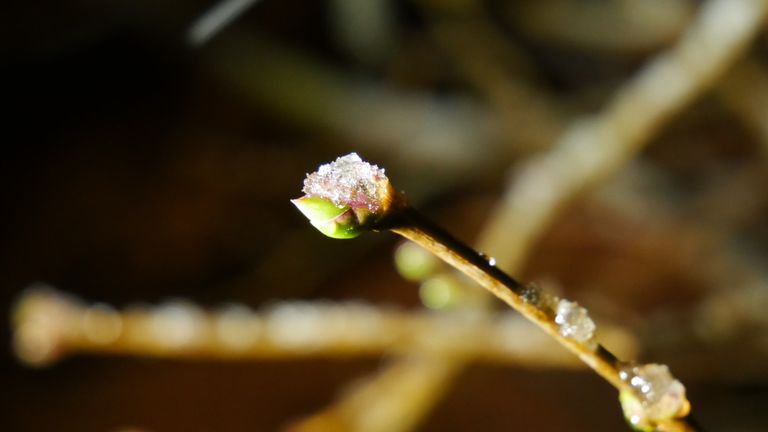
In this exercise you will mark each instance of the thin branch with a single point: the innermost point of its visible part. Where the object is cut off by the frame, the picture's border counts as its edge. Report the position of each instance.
(528, 300)
(543, 310)
(349, 196)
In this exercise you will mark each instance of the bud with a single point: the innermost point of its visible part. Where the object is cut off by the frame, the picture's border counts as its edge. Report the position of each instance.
(345, 197)
(330, 219)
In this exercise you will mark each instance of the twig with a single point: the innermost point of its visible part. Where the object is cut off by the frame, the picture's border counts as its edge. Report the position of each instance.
(531, 303)
(349, 196)
(528, 300)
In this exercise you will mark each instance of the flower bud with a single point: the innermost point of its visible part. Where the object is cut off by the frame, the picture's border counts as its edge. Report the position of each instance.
(331, 220)
(345, 197)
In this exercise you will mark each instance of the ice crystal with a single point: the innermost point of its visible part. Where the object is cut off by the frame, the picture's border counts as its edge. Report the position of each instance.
(574, 321)
(661, 395)
(349, 182)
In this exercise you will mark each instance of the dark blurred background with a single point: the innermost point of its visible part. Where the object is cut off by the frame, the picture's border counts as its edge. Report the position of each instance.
(139, 165)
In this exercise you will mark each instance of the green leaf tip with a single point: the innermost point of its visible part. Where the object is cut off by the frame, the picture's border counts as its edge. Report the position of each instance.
(318, 209)
(334, 221)
(336, 230)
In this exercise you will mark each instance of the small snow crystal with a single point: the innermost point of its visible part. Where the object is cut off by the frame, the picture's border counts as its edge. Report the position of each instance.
(661, 395)
(349, 182)
(574, 321)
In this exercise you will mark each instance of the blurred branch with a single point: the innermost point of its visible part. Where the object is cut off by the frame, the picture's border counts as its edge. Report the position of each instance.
(722, 336)
(212, 21)
(365, 28)
(730, 306)
(375, 404)
(617, 25)
(499, 70)
(745, 92)
(593, 148)
(49, 325)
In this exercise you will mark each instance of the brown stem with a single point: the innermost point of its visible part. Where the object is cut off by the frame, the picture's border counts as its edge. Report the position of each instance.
(407, 222)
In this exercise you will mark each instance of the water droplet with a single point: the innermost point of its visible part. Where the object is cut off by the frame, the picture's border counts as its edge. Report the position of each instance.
(661, 395)
(490, 260)
(574, 321)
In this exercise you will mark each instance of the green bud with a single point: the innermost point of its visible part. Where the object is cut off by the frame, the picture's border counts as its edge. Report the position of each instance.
(330, 219)
(318, 209)
(343, 227)
(345, 197)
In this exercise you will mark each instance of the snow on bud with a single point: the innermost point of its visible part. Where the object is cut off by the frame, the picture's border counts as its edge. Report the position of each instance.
(345, 197)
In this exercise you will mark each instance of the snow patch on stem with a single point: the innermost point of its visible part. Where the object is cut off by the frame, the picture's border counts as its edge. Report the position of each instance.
(574, 321)
(658, 396)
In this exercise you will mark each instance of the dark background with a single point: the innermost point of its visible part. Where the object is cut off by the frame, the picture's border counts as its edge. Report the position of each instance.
(132, 171)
